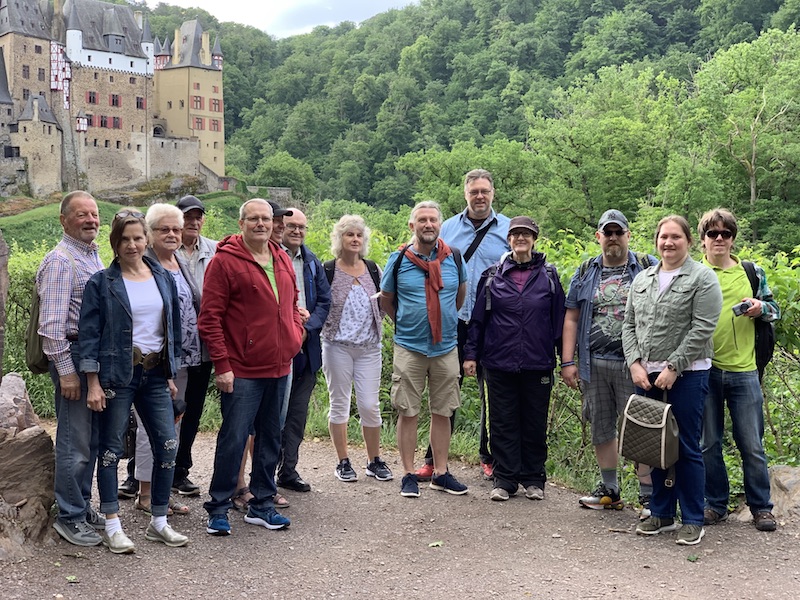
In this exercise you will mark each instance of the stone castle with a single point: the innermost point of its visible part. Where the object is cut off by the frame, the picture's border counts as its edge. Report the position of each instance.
(89, 100)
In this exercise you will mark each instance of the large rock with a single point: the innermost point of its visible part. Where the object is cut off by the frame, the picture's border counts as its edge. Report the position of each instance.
(785, 487)
(26, 473)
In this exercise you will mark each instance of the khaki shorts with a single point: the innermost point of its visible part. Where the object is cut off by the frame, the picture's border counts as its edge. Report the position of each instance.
(408, 382)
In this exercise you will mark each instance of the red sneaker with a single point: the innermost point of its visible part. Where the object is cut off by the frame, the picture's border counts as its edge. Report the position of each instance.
(424, 473)
(488, 470)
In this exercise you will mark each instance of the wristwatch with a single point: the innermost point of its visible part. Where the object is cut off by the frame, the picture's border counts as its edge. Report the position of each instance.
(672, 367)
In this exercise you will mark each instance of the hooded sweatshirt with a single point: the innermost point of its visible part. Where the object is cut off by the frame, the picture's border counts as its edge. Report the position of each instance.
(247, 330)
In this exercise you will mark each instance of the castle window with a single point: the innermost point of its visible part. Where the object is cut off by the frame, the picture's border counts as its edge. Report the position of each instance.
(215, 88)
(95, 142)
(139, 102)
(169, 103)
(216, 145)
(103, 121)
(214, 124)
(91, 97)
(26, 72)
(119, 145)
(95, 74)
(114, 100)
(132, 79)
(215, 105)
(52, 149)
(25, 94)
(116, 123)
(37, 49)
(41, 74)
(110, 61)
(131, 64)
(111, 78)
(138, 147)
(89, 59)
(197, 102)
(49, 130)
(198, 123)
(107, 144)
(182, 103)
(90, 120)
(197, 85)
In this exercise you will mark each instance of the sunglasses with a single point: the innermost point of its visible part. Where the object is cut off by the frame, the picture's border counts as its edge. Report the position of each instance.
(613, 232)
(713, 234)
(124, 214)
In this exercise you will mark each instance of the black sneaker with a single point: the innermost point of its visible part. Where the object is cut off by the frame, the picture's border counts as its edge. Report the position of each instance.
(128, 488)
(409, 488)
(185, 487)
(602, 498)
(378, 469)
(344, 471)
(447, 483)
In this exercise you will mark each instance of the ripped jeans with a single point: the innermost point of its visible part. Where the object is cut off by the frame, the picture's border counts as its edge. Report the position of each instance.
(147, 391)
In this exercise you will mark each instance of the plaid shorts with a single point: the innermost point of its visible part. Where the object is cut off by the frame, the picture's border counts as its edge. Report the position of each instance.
(604, 397)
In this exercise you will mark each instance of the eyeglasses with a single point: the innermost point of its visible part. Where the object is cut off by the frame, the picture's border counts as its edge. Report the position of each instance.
(124, 214)
(614, 232)
(713, 234)
(522, 234)
(255, 220)
(293, 227)
(168, 230)
(476, 193)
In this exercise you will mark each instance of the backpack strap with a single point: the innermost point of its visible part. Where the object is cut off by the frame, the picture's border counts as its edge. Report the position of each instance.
(330, 269)
(750, 269)
(372, 267)
(477, 241)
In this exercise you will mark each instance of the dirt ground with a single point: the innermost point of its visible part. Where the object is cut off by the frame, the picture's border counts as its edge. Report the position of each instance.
(363, 540)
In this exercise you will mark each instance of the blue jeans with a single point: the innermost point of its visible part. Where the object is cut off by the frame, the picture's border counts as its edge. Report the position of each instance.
(147, 391)
(76, 449)
(745, 403)
(687, 397)
(254, 403)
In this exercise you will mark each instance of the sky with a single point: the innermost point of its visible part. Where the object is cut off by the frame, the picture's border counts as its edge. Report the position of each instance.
(283, 18)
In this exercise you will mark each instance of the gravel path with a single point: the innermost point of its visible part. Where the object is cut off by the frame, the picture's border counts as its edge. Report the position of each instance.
(363, 540)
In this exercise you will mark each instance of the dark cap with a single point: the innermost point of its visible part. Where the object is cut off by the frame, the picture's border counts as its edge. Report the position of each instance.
(613, 216)
(277, 211)
(188, 203)
(524, 223)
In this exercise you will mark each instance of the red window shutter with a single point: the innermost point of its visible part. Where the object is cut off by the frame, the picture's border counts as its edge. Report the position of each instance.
(202, 103)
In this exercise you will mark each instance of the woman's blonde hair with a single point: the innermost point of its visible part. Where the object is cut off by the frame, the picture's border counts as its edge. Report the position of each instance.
(345, 224)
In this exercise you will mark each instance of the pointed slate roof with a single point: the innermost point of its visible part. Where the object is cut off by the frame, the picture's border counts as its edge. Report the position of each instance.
(25, 17)
(97, 19)
(166, 49)
(156, 48)
(217, 51)
(73, 22)
(5, 93)
(45, 114)
(147, 35)
(191, 43)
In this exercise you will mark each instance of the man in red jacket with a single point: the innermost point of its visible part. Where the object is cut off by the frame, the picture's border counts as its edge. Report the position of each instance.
(250, 322)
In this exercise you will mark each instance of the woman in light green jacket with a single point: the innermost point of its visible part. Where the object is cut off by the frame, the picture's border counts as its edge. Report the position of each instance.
(670, 318)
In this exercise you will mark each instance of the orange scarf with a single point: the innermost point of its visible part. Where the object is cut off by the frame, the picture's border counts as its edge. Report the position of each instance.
(433, 283)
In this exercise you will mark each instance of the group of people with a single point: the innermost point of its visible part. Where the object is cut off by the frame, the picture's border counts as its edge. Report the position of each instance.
(469, 296)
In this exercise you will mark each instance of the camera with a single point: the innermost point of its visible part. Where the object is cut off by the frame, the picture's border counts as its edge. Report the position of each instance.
(741, 308)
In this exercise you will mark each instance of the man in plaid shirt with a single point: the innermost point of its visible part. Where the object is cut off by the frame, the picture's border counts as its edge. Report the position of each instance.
(59, 282)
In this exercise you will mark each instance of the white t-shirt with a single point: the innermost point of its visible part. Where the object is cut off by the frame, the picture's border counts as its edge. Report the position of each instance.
(147, 308)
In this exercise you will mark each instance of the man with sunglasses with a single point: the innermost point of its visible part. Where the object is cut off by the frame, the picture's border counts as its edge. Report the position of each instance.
(734, 377)
(595, 306)
(60, 281)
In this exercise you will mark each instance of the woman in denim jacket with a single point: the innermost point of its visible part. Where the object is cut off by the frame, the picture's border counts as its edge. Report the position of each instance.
(129, 344)
(670, 318)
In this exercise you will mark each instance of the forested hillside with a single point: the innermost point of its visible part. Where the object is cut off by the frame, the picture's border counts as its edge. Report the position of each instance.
(576, 105)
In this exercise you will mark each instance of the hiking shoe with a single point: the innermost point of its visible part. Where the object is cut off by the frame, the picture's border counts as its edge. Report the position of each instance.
(447, 483)
(644, 502)
(79, 533)
(185, 487)
(95, 519)
(344, 471)
(764, 521)
(488, 470)
(602, 498)
(534, 492)
(128, 488)
(425, 472)
(712, 517)
(655, 525)
(409, 488)
(689, 535)
(218, 525)
(499, 494)
(378, 469)
(119, 543)
(270, 518)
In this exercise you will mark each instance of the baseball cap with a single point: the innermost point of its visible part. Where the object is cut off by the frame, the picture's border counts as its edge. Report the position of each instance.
(188, 203)
(613, 216)
(277, 211)
(524, 223)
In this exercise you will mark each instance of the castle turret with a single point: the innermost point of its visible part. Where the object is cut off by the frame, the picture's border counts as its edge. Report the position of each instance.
(216, 54)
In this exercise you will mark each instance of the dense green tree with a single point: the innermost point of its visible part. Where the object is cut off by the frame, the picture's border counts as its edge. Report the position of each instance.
(284, 170)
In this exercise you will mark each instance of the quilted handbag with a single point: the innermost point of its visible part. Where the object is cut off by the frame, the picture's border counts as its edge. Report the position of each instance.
(648, 434)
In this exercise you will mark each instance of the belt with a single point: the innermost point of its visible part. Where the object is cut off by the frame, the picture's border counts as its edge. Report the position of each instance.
(148, 361)
(72, 338)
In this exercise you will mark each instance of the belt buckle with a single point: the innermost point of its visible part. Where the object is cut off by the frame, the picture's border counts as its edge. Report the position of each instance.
(151, 360)
(137, 356)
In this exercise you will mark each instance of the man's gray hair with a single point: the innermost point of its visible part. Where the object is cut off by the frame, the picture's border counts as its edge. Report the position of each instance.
(241, 208)
(425, 204)
(64, 208)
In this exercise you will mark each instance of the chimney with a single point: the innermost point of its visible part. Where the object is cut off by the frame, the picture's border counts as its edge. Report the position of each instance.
(205, 52)
(177, 47)
(35, 108)
(137, 15)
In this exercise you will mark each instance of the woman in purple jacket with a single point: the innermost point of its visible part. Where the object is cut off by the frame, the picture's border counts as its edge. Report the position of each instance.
(514, 332)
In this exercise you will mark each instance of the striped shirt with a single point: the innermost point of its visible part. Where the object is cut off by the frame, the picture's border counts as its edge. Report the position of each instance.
(58, 319)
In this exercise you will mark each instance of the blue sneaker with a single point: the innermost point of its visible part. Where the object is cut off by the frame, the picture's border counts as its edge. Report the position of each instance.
(409, 488)
(218, 525)
(447, 483)
(270, 518)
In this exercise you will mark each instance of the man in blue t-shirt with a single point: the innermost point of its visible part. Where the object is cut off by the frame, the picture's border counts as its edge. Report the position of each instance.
(423, 293)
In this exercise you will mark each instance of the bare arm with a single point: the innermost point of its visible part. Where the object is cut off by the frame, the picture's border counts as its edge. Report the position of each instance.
(569, 340)
(387, 303)
(461, 295)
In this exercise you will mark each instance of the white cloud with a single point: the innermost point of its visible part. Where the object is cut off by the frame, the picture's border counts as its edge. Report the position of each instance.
(282, 18)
